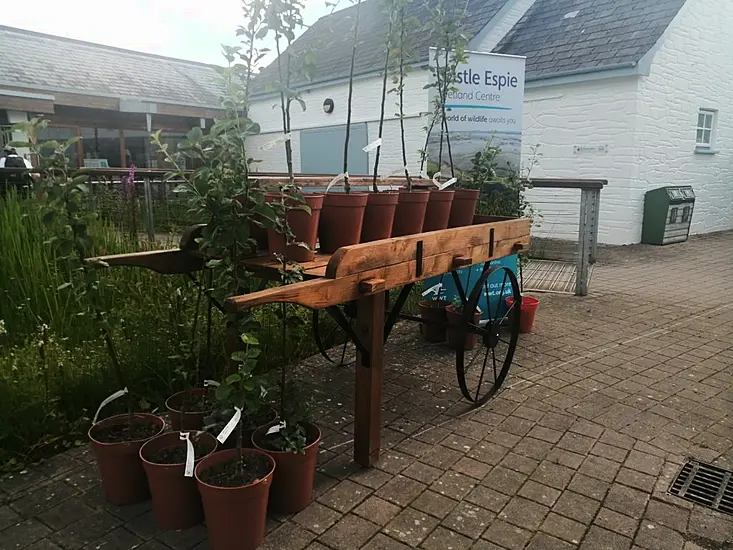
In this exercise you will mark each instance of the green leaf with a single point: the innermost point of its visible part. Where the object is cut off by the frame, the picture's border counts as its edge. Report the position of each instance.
(232, 379)
(63, 286)
(239, 356)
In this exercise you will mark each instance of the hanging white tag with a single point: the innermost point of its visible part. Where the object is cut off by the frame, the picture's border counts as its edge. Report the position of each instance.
(190, 455)
(275, 142)
(447, 184)
(435, 179)
(337, 179)
(115, 395)
(435, 289)
(372, 146)
(212, 383)
(395, 173)
(276, 428)
(229, 428)
(423, 175)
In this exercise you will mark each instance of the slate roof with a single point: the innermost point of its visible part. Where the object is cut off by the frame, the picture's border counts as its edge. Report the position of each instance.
(331, 37)
(565, 36)
(41, 61)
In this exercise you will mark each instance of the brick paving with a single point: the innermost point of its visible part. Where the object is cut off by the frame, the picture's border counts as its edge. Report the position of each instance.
(605, 401)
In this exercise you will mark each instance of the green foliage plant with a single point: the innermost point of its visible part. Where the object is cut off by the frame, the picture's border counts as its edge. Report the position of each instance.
(60, 196)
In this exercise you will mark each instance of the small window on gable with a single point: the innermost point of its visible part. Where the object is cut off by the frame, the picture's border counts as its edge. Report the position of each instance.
(705, 132)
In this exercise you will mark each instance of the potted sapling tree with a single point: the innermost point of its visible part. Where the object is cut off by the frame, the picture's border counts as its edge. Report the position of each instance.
(412, 203)
(292, 441)
(381, 205)
(283, 19)
(343, 213)
(235, 483)
(115, 440)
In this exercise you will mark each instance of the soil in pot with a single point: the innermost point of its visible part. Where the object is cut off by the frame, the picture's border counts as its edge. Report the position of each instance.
(292, 485)
(433, 311)
(410, 213)
(438, 210)
(116, 445)
(176, 500)
(303, 224)
(379, 216)
(341, 222)
(455, 335)
(463, 207)
(235, 494)
(188, 408)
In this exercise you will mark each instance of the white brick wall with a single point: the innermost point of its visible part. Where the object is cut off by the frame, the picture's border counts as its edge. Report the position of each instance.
(690, 71)
(584, 114)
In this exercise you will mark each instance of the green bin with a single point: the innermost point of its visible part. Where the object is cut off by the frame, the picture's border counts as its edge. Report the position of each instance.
(667, 215)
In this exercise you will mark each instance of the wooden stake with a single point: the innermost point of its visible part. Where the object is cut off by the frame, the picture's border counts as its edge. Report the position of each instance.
(369, 377)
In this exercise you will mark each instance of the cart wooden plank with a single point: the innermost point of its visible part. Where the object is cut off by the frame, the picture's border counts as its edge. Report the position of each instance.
(324, 292)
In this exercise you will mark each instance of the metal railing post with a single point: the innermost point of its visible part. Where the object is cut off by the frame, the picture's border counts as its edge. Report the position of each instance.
(149, 208)
(585, 229)
(595, 212)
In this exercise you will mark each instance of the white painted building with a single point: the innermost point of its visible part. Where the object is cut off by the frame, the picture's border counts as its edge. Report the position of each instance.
(623, 90)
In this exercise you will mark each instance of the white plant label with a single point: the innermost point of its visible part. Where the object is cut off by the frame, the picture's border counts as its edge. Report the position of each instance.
(337, 179)
(229, 428)
(184, 436)
(394, 173)
(372, 146)
(276, 428)
(115, 395)
(275, 142)
(434, 288)
(435, 179)
(212, 383)
(447, 184)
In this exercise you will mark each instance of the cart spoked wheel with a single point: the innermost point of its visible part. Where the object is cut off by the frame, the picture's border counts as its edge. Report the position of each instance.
(481, 371)
(332, 340)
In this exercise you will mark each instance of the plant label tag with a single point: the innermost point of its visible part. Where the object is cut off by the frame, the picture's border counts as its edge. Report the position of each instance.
(229, 428)
(337, 179)
(184, 436)
(447, 184)
(275, 142)
(436, 182)
(115, 395)
(435, 289)
(276, 428)
(372, 146)
(212, 383)
(394, 173)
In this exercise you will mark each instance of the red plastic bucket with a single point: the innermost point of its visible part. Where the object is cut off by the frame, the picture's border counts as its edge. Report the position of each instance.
(527, 313)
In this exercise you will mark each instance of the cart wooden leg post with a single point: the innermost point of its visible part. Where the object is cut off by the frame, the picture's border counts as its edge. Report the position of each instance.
(369, 377)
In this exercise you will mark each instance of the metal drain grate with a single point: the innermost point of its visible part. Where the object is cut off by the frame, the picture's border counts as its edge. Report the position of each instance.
(705, 484)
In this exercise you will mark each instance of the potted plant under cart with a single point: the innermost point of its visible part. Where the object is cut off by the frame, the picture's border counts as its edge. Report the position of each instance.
(292, 441)
(412, 203)
(235, 483)
(115, 440)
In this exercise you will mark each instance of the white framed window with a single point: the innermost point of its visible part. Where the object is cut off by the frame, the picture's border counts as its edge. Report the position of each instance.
(705, 131)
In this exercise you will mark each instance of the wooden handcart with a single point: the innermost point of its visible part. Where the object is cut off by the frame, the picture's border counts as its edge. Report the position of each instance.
(363, 274)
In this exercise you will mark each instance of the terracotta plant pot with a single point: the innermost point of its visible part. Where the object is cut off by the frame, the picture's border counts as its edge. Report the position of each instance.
(527, 312)
(341, 220)
(185, 419)
(463, 207)
(438, 211)
(455, 335)
(433, 311)
(292, 486)
(410, 213)
(303, 224)
(235, 516)
(176, 499)
(379, 216)
(122, 473)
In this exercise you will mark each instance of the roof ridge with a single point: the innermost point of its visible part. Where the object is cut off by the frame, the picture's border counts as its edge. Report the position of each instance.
(105, 46)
